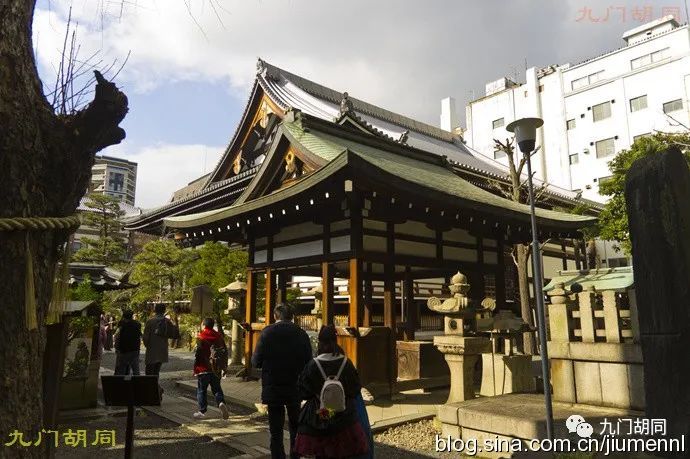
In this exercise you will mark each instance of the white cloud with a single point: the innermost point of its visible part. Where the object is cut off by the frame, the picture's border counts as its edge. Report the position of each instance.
(403, 55)
(162, 169)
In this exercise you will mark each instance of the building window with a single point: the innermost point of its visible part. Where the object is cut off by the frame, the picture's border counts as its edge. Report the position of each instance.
(601, 111)
(638, 103)
(673, 106)
(500, 154)
(603, 180)
(647, 59)
(574, 158)
(618, 262)
(498, 123)
(116, 181)
(605, 148)
(660, 55)
(579, 83)
(570, 124)
(541, 88)
(640, 61)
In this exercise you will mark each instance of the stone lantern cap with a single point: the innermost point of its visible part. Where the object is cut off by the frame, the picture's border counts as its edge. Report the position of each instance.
(238, 286)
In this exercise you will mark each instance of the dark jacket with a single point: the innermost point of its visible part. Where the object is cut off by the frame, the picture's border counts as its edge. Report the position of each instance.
(310, 384)
(128, 337)
(204, 340)
(282, 352)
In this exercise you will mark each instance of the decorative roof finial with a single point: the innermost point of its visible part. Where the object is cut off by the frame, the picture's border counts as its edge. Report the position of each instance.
(346, 105)
(403, 137)
(260, 66)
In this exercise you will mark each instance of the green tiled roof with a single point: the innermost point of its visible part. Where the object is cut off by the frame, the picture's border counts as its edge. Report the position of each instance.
(617, 279)
(427, 171)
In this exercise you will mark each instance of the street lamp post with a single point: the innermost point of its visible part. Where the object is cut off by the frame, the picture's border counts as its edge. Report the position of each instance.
(525, 130)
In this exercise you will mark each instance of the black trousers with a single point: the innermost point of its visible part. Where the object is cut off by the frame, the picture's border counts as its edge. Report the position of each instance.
(276, 420)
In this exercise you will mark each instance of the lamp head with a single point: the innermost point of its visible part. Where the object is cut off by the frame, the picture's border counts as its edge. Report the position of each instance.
(525, 130)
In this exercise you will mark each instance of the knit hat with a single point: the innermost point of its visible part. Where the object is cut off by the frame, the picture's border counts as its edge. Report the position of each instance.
(327, 333)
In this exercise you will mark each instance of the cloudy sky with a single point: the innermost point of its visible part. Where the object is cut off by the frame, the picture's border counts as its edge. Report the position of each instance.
(191, 62)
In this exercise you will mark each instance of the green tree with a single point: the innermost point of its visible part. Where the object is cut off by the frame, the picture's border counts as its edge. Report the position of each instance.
(217, 266)
(162, 271)
(104, 216)
(613, 220)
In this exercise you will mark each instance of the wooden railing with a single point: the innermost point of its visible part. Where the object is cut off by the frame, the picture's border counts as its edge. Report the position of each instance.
(422, 289)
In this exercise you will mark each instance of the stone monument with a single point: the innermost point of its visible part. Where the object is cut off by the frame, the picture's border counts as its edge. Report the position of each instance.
(657, 191)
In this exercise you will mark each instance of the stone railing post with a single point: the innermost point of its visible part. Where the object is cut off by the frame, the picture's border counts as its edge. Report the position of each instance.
(560, 315)
(612, 322)
(586, 301)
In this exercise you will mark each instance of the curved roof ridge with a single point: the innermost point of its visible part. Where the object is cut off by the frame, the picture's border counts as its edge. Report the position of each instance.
(335, 97)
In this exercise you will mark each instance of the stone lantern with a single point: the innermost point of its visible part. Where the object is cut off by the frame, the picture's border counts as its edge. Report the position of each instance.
(460, 348)
(237, 291)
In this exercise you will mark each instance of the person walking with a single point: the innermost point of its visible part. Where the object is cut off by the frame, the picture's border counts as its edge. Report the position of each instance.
(127, 344)
(329, 422)
(157, 331)
(282, 352)
(210, 345)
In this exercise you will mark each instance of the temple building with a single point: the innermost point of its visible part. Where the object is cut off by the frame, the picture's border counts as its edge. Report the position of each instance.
(316, 184)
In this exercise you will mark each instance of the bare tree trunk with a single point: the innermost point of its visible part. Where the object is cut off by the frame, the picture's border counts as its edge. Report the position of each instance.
(45, 166)
(521, 262)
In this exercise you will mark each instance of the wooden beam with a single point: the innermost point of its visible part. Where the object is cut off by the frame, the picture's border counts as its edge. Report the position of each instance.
(270, 295)
(410, 305)
(327, 293)
(355, 291)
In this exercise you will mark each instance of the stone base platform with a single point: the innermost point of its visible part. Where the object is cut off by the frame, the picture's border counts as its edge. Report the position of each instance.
(519, 416)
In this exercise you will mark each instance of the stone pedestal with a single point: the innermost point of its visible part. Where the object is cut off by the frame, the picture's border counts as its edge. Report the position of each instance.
(510, 373)
(461, 354)
(419, 359)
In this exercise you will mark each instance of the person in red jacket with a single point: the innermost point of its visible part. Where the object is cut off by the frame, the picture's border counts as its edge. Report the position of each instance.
(203, 371)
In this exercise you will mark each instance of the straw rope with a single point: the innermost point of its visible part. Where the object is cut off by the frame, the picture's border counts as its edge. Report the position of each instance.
(57, 303)
(39, 223)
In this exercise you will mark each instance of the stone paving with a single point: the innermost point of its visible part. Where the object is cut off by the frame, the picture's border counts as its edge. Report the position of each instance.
(408, 406)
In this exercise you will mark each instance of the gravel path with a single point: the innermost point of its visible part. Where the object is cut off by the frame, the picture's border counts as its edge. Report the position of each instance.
(415, 439)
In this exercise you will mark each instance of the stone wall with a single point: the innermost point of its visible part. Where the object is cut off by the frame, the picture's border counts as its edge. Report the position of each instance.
(594, 349)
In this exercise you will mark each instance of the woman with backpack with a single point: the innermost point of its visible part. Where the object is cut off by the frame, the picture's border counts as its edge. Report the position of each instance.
(329, 424)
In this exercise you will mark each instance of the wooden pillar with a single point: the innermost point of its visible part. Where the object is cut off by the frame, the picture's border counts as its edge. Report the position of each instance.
(327, 293)
(576, 249)
(368, 294)
(270, 295)
(389, 297)
(411, 312)
(53, 366)
(250, 317)
(501, 271)
(355, 290)
(281, 288)
(564, 257)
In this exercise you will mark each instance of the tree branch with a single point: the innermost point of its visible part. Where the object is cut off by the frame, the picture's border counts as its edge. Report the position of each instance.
(97, 126)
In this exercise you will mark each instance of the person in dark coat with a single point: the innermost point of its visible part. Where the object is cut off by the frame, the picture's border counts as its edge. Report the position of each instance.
(282, 352)
(127, 344)
(330, 434)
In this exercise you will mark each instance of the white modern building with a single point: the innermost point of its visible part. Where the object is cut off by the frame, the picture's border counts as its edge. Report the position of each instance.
(115, 177)
(592, 109)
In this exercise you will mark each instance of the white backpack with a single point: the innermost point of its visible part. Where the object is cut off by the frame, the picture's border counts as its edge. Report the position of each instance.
(332, 393)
